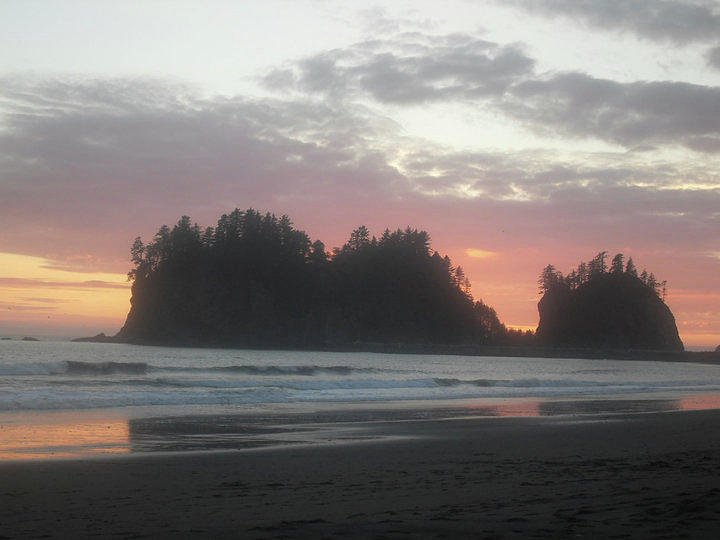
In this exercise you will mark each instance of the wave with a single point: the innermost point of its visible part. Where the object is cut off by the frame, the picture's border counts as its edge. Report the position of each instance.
(83, 392)
(458, 382)
(244, 384)
(568, 383)
(33, 368)
(76, 367)
(307, 371)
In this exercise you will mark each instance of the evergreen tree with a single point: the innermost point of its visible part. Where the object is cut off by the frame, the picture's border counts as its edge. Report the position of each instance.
(256, 280)
(630, 268)
(549, 279)
(582, 273)
(597, 265)
(359, 239)
(617, 265)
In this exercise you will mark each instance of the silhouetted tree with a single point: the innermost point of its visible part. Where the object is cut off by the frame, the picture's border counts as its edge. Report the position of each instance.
(617, 266)
(630, 268)
(359, 238)
(583, 273)
(606, 309)
(549, 278)
(652, 283)
(597, 265)
(256, 280)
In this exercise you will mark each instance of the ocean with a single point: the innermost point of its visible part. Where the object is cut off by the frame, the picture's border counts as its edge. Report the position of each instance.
(72, 376)
(70, 400)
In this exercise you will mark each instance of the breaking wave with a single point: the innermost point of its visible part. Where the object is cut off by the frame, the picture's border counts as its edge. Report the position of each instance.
(74, 367)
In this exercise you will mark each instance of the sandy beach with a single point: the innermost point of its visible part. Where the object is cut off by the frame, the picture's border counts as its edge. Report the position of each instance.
(648, 475)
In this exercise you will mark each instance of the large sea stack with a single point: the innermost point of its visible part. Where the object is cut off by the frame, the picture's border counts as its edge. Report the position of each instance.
(605, 310)
(255, 280)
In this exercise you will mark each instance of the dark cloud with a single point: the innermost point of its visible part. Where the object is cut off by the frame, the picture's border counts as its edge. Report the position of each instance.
(83, 171)
(626, 113)
(410, 69)
(663, 20)
(95, 163)
(713, 57)
(417, 68)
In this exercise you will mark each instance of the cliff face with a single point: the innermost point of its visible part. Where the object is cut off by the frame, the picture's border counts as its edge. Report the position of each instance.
(608, 312)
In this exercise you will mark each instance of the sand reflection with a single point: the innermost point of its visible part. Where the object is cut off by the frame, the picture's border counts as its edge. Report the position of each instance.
(699, 402)
(525, 408)
(55, 437)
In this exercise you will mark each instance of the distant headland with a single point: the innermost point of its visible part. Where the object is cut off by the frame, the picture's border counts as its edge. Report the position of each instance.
(256, 281)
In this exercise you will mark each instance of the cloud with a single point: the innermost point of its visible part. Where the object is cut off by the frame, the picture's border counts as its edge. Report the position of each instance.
(87, 166)
(629, 114)
(24, 307)
(713, 57)
(24, 283)
(661, 20)
(47, 300)
(416, 68)
(97, 162)
(376, 21)
(410, 69)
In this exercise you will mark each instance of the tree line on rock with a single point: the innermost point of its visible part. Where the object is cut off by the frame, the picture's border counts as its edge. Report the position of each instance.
(255, 280)
(550, 278)
(605, 307)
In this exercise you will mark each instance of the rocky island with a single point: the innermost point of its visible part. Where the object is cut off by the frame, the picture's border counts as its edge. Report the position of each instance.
(600, 308)
(256, 281)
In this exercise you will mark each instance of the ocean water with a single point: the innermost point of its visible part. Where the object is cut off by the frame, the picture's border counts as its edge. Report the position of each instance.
(52, 376)
(63, 400)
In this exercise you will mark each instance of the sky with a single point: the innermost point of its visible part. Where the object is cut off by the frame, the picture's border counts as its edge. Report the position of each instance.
(518, 133)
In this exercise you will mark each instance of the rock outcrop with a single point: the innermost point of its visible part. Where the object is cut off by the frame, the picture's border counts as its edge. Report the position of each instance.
(610, 311)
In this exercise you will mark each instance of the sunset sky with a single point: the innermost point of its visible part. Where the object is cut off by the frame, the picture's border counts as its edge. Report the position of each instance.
(517, 132)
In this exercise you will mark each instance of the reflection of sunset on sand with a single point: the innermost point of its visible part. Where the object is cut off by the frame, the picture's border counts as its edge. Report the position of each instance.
(52, 435)
(62, 436)
(699, 402)
(524, 408)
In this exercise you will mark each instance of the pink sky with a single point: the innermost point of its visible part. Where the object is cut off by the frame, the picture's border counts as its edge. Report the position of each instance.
(492, 137)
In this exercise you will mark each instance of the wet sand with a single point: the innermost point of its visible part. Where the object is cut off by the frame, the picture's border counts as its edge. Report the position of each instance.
(651, 475)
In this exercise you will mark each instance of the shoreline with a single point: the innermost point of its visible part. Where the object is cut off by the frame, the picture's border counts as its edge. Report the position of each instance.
(515, 351)
(640, 475)
(77, 434)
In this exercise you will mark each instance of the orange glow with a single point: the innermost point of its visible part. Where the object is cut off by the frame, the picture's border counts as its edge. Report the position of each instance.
(699, 402)
(524, 408)
(32, 291)
(523, 328)
(55, 438)
(37, 293)
(502, 282)
(479, 253)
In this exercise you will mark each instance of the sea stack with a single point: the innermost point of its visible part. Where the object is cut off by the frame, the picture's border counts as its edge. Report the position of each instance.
(609, 311)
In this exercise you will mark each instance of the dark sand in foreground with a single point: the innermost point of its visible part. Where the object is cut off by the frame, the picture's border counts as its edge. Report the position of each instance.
(636, 476)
